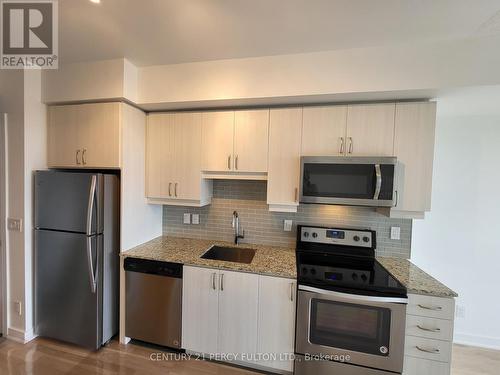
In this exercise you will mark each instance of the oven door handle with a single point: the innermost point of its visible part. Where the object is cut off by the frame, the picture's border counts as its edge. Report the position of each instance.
(378, 183)
(354, 297)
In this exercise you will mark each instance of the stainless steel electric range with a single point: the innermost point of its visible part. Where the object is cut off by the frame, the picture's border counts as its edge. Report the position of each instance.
(351, 312)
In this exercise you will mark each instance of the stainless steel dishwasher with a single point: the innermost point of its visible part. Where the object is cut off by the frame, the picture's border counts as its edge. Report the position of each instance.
(153, 301)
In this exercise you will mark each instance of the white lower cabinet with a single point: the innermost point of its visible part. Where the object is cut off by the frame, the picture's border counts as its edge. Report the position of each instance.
(238, 309)
(276, 322)
(239, 317)
(429, 335)
(200, 309)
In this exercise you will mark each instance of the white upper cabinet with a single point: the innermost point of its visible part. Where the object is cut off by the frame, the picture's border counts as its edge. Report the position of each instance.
(84, 136)
(173, 160)
(414, 149)
(324, 131)
(370, 130)
(285, 133)
(217, 141)
(235, 144)
(251, 137)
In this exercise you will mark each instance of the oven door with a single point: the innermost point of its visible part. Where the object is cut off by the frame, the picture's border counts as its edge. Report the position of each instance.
(365, 330)
(358, 181)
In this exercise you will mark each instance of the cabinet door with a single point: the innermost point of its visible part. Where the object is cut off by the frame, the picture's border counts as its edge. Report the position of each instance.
(199, 309)
(414, 148)
(159, 155)
(217, 141)
(277, 321)
(62, 144)
(186, 155)
(324, 131)
(285, 131)
(99, 135)
(370, 130)
(238, 311)
(251, 138)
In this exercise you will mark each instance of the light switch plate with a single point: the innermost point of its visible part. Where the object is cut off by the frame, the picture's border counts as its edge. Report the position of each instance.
(187, 219)
(287, 225)
(195, 219)
(395, 233)
(15, 225)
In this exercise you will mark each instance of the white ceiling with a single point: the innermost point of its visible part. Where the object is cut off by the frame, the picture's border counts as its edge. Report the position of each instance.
(151, 32)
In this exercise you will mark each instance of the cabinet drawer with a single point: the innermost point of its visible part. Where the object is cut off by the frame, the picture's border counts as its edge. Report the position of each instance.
(435, 350)
(418, 366)
(433, 307)
(431, 328)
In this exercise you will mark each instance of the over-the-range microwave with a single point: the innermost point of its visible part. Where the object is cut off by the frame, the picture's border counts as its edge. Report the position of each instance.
(353, 181)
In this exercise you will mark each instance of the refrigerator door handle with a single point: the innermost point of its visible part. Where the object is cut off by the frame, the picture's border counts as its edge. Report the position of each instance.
(92, 275)
(90, 207)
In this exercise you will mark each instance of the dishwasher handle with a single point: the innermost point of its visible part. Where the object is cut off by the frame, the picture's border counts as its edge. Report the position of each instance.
(153, 267)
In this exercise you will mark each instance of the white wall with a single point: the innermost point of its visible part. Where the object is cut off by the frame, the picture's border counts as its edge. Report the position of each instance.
(459, 241)
(12, 103)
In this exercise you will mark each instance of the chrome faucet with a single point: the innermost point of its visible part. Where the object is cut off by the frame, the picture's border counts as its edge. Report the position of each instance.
(236, 226)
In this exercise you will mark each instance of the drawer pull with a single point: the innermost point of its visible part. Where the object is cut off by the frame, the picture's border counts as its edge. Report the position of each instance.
(433, 308)
(428, 329)
(431, 351)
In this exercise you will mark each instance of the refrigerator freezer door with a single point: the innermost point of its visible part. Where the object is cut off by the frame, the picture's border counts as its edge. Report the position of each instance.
(66, 307)
(66, 201)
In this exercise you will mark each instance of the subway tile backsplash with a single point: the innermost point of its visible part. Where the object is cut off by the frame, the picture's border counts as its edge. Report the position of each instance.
(264, 227)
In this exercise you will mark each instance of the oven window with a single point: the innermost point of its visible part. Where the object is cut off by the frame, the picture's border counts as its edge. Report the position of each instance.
(339, 180)
(350, 326)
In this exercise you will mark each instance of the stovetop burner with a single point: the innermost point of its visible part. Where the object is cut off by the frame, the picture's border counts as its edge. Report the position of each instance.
(343, 260)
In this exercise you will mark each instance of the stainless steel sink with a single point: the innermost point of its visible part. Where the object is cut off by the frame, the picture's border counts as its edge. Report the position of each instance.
(230, 254)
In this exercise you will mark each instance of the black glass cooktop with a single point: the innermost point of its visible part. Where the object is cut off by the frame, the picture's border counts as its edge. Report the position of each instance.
(348, 274)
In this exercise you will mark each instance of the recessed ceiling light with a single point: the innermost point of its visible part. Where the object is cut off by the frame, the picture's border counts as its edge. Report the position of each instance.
(95, 1)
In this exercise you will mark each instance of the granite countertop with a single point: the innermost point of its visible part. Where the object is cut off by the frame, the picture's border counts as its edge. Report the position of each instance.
(268, 260)
(274, 261)
(414, 279)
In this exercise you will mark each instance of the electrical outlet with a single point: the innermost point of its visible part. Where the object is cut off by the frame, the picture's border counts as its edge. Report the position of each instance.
(15, 225)
(18, 308)
(187, 219)
(460, 311)
(195, 218)
(395, 233)
(287, 225)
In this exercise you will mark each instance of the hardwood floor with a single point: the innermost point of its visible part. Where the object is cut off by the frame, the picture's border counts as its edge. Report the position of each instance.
(47, 357)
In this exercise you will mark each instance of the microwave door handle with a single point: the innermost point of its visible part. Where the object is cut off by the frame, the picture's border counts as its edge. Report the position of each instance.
(378, 183)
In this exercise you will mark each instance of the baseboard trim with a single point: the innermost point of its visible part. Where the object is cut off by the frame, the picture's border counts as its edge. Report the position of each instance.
(19, 335)
(479, 341)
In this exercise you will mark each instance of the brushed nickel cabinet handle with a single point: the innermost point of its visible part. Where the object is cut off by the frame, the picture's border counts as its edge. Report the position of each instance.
(169, 189)
(77, 160)
(350, 145)
(296, 194)
(83, 156)
(433, 308)
(291, 291)
(341, 151)
(236, 162)
(229, 162)
(221, 282)
(175, 190)
(213, 281)
(431, 351)
(428, 329)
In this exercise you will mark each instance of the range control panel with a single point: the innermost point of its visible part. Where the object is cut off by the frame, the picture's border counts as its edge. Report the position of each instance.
(334, 274)
(345, 237)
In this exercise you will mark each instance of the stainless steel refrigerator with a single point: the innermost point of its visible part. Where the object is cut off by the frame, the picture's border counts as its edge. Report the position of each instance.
(76, 256)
